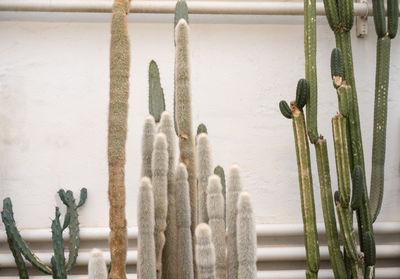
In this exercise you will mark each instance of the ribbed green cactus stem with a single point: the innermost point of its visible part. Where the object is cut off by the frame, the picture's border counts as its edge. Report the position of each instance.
(232, 196)
(160, 189)
(215, 209)
(146, 264)
(58, 247)
(149, 131)
(328, 210)
(370, 255)
(393, 17)
(204, 170)
(97, 268)
(337, 67)
(117, 131)
(306, 190)
(310, 49)
(380, 125)
(169, 262)
(19, 261)
(378, 9)
(246, 238)
(185, 252)
(220, 172)
(183, 110)
(156, 93)
(205, 252)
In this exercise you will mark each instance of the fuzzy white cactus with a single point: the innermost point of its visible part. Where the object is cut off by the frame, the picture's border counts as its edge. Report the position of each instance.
(160, 190)
(185, 251)
(204, 170)
(97, 268)
(169, 261)
(149, 130)
(232, 196)
(246, 238)
(205, 253)
(215, 207)
(146, 264)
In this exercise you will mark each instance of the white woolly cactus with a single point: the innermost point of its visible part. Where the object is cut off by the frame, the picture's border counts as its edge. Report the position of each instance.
(183, 220)
(246, 239)
(205, 254)
(149, 130)
(97, 268)
(160, 189)
(146, 264)
(169, 260)
(204, 170)
(215, 207)
(232, 196)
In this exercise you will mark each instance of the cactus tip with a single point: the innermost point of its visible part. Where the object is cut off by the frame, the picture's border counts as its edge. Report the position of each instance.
(214, 184)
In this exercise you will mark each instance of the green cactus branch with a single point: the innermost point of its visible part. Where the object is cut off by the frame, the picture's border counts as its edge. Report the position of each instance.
(156, 93)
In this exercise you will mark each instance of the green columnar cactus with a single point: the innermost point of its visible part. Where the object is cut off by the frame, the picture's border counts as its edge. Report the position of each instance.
(183, 114)
(19, 261)
(385, 35)
(117, 131)
(156, 93)
(97, 268)
(169, 261)
(185, 252)
(205, 253)
(220, 172)
(160, 189)
(204, 170)
(146, 264)
(202, 129)
(149, 130)
(232, 196)
(246, 238)
(215, 208)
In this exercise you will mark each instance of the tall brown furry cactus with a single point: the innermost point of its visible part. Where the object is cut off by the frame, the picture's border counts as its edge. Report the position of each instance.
(117, 130)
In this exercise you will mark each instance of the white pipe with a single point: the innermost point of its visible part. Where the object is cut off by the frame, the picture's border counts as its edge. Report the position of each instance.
(167, 7)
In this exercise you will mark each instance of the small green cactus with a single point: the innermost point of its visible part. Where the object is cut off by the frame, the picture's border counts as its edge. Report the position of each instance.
(156, 93)
(202, 129)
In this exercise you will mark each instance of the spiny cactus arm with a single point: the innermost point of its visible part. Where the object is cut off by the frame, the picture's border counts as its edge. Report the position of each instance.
(117, 132)
(220, 172)
(149, 131)
(370, 255)
(302, 92)
(337, 72)
(232, 196)
(97, 268)
(7, 216)
(146, 247)
(246, 238)
(205, 252)
(160, 189)
(58, 247)
(332, 14)
(82, 197)
(306, 190)
(185, 252)
(335, 255)
(393, 17)
(285, 109)
(169, 261)
(204, 170)
(347, 14)
(215, 209)
(156, 93)
(378, 9)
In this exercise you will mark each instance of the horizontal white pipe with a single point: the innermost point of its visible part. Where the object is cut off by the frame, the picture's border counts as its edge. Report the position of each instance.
(167, 7)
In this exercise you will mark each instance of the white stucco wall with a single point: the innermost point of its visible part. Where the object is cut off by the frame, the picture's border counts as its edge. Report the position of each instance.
(54, 102)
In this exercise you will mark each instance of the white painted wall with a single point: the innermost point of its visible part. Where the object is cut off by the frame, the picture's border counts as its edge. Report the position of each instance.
(54, 101)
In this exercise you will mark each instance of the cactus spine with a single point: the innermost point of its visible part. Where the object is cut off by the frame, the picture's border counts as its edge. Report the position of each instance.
(215, 208)
(246, 238)
(146, 264)
(204, 170)
(234, 189)
(169, 261)
(156, 93)
(149, 131)
(205, 254)
(97, 268)
(185, 253)
(160, 188)
(117, 130)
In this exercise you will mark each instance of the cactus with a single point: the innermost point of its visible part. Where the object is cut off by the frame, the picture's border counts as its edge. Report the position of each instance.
(183, 114)
(117, 130)
(156, 93)
(160, 189)
(204, 169)
(205, 253)
(202, 129)
(232, 196)
(97, 268)
(146, 263)
(149, 130)
(246, 238)
(185, 252)
(169, 261)
(220, 172)
(215, 209)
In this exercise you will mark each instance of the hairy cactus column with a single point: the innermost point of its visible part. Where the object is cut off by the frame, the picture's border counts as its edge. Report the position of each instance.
(204, 170)
(183, 114)
(117, 130)
(97, 268)
(149, 130)
(205, 254)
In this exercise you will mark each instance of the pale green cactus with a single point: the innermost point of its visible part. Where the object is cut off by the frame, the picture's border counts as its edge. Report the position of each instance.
(205, 253)
(204, 170)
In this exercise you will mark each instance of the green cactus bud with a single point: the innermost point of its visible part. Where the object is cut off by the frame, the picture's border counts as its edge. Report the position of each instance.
(82, 198)
(370, 250)
(302, 92)
(336, 67)
(285, 109)
(378, 9)
(393, 17)
(202, 129)
(156, 93)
